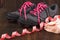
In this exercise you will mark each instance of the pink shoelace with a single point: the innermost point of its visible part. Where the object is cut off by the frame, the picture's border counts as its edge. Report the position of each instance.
(40, 7)
(24, 7)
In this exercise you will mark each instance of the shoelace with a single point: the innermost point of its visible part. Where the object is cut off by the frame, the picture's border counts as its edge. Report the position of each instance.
(40, 7)
(24, 7)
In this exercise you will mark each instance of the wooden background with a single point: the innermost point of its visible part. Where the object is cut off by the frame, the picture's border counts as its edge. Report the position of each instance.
(13, 4)
(5, 27)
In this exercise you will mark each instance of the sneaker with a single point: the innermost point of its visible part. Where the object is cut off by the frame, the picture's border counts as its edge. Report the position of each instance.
(33, 15)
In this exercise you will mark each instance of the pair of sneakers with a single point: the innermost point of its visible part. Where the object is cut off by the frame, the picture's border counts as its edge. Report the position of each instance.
(30, 14)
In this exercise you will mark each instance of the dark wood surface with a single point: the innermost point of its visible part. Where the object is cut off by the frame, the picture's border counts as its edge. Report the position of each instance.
(13, 4)
(6, 27)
